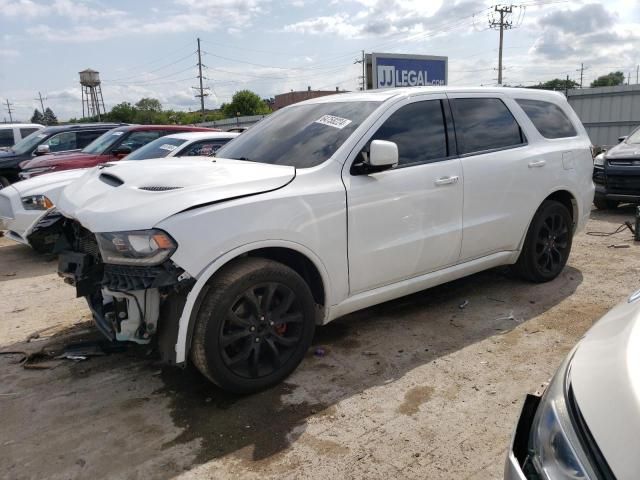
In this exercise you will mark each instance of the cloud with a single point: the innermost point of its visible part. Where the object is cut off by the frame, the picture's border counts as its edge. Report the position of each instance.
(72, 9)
(9, 53)
(589, 18)
(388, 17)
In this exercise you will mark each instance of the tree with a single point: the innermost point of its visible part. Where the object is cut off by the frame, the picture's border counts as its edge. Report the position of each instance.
(149, 105)
(609, 80)
(37, 117)
(49, 117)
(556, 84)
(245, 102)
(122, 112)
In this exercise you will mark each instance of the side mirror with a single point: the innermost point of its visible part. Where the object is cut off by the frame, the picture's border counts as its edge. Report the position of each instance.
(121, 151)
(382, 155)
(42, 150)
(622, 138)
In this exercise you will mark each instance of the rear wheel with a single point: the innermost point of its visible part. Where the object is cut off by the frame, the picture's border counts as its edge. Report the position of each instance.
(548, 243)
(602, 203)
(254, 325)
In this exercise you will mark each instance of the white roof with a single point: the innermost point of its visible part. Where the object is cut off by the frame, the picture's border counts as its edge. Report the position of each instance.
(21, 125)
(381, 95)
(202, 135)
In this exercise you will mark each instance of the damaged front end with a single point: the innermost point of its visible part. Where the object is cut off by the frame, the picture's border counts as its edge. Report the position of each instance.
(135, 292)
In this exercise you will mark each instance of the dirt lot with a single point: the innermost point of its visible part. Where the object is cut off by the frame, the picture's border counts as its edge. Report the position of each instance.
(414, 388)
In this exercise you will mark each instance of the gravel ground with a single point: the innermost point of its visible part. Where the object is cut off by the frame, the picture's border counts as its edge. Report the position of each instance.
(414, 388)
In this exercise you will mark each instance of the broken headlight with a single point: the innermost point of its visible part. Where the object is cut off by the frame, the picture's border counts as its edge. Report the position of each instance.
(554, 447)
(140, 247)
(36, 202)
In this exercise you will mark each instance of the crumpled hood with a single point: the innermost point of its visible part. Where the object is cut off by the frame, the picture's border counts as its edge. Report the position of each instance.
(605, 376)
(624, 150)
(45, 184)
(136, 195)
(52, 159)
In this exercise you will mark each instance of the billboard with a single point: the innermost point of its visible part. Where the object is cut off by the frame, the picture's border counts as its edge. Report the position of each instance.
(390, 70)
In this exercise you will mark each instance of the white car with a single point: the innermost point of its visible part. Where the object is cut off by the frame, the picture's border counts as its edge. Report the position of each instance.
(27, 208)
(325, 207)
(12, 133)
(187, 144)
(587, 422)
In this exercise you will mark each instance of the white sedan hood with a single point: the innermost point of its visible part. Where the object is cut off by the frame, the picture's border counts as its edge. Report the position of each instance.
(137, 195)
(605, 376)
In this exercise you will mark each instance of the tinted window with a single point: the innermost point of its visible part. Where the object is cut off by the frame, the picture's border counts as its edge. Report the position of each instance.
(484, 124)
(548, 118)
(25, 132)
(301, 135)
(104, 141)
(418, 130)
(85, 138)
(6, 137)
(62, 142)
(159, 148)
(206, 148)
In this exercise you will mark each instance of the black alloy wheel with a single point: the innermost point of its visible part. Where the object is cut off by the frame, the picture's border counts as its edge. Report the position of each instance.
(254, 325)
(548, 243)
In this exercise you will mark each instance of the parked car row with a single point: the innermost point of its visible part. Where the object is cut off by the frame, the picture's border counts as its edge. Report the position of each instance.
(12, 133)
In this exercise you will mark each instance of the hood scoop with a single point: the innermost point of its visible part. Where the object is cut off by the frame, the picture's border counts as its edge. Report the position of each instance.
(111, 180)
(158, 188)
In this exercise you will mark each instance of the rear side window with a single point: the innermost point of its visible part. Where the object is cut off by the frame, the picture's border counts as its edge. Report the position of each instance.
(6, 137)
(25, 132)
(418, 130)
(205, 149)
(86, 137)
(548, 118)
(484, 124)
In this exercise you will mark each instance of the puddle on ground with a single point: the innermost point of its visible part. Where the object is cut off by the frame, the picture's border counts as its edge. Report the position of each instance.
(414, 398)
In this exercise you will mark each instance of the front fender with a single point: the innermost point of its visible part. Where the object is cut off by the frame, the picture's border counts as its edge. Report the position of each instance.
(187, 318)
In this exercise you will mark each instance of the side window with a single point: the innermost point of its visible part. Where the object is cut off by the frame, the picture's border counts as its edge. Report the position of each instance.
(27, 131)
(62, 141)
(548, 118)
(484, 124)
(206, 148)
(139, 139)
(419, 131)
(6, 137)
(86, 137)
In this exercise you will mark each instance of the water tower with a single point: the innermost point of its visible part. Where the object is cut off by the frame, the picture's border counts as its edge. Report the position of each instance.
(92, 101)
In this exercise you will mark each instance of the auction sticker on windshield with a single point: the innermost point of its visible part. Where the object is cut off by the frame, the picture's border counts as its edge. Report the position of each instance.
(335, 122)
(168, 147)
(117, 134)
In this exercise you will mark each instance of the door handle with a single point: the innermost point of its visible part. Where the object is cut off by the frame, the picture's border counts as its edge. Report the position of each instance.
(446, 180)
(538, 164)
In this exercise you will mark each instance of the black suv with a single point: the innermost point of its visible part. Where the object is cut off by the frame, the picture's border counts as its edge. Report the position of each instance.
(48, 140)
(616, 173)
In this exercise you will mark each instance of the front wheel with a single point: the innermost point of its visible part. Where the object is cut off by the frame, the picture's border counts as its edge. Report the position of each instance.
(254, 325)
(547, 244)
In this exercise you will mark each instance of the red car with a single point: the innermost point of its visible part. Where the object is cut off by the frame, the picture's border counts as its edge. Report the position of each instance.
(111, 146)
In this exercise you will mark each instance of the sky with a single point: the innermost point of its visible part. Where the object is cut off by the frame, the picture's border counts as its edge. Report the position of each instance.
(147, 48)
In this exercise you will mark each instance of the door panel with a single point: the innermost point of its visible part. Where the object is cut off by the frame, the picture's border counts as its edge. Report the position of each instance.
(406, 221)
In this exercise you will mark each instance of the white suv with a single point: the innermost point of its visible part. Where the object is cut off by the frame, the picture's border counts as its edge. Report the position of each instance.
(323, 208)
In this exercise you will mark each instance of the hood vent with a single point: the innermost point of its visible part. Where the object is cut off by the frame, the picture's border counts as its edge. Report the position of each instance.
(110, 179)
(158, 188)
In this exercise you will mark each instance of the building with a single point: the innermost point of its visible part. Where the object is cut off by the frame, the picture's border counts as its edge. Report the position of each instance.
(292, 97)
(607, 112)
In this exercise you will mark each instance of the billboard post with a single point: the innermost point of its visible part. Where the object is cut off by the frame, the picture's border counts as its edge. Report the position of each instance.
(390, 70)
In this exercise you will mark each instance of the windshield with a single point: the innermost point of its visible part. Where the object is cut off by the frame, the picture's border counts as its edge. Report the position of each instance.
(104, 141)
(634, 138)
(159, 148)
(300, 136)
(28, 143)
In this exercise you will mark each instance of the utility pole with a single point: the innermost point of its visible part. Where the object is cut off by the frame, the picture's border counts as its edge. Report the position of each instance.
(637, 73)
(9, 110)
(202, 94)
(581, 70)
(501, 24)
(363, 78)
(42, 102)
(566, 87)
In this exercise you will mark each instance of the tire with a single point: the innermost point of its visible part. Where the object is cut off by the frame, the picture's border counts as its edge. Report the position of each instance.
(547, 245)
(602, 203)
(254, 325)
(4, 182)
